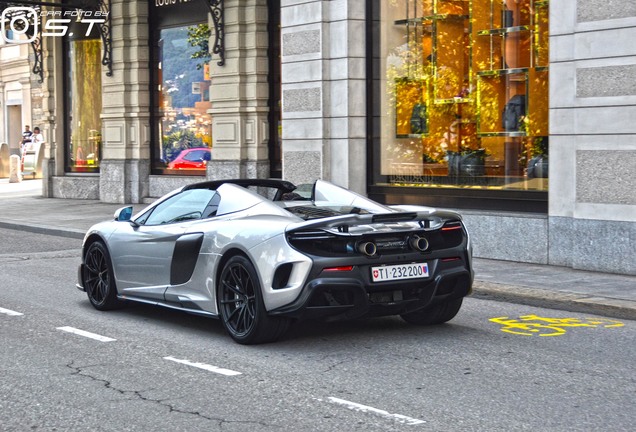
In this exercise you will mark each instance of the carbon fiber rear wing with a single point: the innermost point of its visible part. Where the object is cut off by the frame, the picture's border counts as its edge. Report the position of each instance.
(426, 220)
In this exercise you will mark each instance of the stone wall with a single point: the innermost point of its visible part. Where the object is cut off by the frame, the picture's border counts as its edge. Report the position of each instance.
(592, 205)
(324, 92)
(125, 164)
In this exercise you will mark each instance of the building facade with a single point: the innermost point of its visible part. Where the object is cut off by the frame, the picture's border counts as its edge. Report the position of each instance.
(20, 98)
(517, 112)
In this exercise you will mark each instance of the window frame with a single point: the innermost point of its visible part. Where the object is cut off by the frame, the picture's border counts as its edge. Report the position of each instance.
(378, 186)
(167, 17)
(67, 102)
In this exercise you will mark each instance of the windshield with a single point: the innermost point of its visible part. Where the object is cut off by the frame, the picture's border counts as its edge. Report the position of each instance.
(237, 198)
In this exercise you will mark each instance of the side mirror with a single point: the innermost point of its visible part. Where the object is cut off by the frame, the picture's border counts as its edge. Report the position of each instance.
(124, 214)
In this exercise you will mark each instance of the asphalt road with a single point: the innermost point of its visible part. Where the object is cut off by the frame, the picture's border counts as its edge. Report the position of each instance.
(164, 370)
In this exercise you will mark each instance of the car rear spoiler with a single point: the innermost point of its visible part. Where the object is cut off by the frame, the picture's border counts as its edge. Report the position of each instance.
(342, 223)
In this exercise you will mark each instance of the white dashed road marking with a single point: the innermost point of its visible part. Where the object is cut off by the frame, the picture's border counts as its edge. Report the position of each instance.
(367, 409)
(86, 334)
(204, 366)
(10, 312)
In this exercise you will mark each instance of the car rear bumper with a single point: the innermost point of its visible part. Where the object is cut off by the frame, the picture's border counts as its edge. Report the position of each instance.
(336, 297)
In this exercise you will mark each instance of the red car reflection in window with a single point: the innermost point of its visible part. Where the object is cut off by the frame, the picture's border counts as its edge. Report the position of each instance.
(193, 158)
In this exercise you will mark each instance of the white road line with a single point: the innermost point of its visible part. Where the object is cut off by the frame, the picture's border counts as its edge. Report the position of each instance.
(86, 334)
(367, 409)
(10, 312)
(204, 366)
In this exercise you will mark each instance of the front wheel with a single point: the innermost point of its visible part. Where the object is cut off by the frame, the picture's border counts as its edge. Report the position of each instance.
(241, 306)
(98, 278)
(436, 314)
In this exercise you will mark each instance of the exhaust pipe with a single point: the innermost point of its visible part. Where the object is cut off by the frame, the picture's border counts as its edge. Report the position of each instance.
(418, 243)
(367, 248)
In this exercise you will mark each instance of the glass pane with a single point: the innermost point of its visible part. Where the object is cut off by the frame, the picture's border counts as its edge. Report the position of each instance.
(463, 90)
(188, 205)
(84, 100)
(183, 100)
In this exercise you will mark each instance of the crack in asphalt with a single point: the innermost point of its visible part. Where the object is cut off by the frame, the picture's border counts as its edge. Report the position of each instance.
(81, 371)
(334, 366)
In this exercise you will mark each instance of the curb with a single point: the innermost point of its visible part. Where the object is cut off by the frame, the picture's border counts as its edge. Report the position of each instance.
(44, 229)
(568, 301)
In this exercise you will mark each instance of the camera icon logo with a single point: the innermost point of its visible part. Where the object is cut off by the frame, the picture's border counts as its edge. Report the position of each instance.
(17, 21)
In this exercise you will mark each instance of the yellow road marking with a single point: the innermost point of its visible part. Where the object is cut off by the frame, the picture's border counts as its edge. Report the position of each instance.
(534, 325)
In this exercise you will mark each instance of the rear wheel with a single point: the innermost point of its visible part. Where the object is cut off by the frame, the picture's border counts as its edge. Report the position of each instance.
(98, 278)
(241, 305)
(436, 314)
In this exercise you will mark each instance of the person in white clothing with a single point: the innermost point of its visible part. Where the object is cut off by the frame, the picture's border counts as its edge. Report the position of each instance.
(31, 148)
(37, 136)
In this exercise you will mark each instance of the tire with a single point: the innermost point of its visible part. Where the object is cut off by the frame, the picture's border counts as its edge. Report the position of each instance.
(241, 307)
(436, 314)
(98, 278)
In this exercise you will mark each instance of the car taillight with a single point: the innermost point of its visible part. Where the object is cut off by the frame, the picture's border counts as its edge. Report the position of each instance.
(451, 226)
(338, 269)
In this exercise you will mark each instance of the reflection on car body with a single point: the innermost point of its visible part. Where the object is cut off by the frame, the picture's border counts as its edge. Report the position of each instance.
(259, 256)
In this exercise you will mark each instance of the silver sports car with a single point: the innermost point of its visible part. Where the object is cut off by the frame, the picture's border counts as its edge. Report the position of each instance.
(260, 254)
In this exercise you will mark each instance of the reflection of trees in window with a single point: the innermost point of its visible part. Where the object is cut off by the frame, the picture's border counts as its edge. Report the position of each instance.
(199, 37)
(185, 88)
(179, 67)
(180, 140)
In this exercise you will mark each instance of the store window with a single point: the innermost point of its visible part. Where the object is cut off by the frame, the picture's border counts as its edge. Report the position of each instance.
(182, 126)
(183, 96)
(460, 94)
(83, 65)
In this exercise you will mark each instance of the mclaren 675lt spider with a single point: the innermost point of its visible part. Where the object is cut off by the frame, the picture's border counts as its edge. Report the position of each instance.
(260, 254)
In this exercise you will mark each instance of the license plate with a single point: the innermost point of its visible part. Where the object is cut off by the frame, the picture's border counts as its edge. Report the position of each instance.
(399, 272)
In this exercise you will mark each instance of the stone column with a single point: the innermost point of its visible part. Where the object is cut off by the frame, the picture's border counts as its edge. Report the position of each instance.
(52, 102)
(28, 105)
(125, 164)
(4, 133)
(324, 92)
(239, 94)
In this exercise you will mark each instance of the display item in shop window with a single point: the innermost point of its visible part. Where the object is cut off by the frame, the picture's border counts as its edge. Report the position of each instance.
(507, 18)
(451, 136)
(466, 163)
(513, 113)
(465, 91)
(419, 124)
(538, 167)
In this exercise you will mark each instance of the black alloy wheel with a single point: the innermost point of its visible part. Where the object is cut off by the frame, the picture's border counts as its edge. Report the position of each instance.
(241, 305)
(98, 278)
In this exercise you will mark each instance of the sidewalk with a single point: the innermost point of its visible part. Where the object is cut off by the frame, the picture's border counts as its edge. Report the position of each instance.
(23, 208)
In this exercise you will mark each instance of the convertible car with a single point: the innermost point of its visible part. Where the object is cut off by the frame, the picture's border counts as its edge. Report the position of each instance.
(261, 254)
